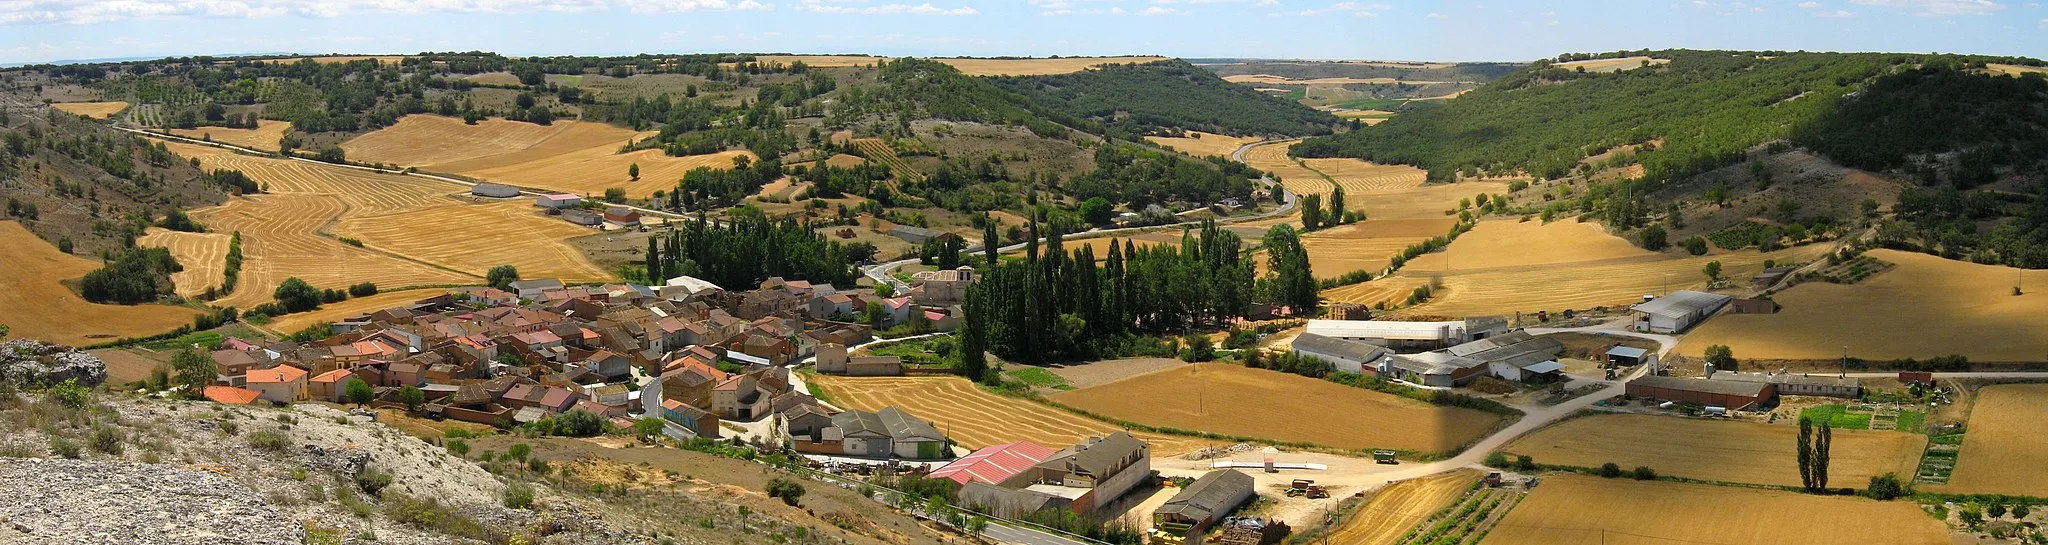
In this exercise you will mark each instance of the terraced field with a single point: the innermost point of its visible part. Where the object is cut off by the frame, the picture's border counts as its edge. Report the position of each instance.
(567, 156)
(204, 256)
(264, 137)
(975, 418)
(880, 151)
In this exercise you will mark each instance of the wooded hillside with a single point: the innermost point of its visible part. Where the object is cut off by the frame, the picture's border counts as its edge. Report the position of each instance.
(1131, 100)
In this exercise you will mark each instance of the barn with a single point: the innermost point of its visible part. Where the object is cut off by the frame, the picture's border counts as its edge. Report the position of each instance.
(1347, 356)
(500, 191)
(1401, 335)
(1678, 311)
(558, 200)
(1711, 393)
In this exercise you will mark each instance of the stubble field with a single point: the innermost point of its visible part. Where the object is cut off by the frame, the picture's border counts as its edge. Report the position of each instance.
(976, 419)
(1586, 510)
(1611, 65)
(354, 306)
(40, 307)
(1202, 144)
(2005, 449)
(1398, 507)
(264, 137)
(568, 156)
(1233, 400)
(1925, 307)
(204, 256)
(1739, 452)
(1038, 67)
(96, 110)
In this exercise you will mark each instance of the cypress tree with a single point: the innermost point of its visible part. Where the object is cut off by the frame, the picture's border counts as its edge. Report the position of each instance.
(1806, 453)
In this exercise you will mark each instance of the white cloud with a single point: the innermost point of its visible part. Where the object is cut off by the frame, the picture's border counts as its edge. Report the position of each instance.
(1435, 15)
(1837, 14)
(98, 11)
(1937, 7)
(1157, 10)
(1809, 5)
(1355, 8)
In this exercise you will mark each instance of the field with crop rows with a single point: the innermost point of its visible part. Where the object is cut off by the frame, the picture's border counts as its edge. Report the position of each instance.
(1924, 307)
(2005, 449)
(354, 306)
(568, 156)
(1202, 144)
(39, 306)
(879, 150)
(1240, 401)
(204, 256)
(1611, 65)
(1586, 510)
(264, 137)
(96, 110)
(1568, 285)
(1740, 452)
(976, 418)
(1398, 507)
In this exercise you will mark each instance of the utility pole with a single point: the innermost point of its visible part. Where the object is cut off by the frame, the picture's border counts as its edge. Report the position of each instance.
(1845, 362)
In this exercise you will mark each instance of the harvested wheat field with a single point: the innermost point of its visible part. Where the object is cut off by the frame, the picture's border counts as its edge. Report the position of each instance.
(1038, 67)
(472, 238)
(1587, 510)
(100, 110)
(40, 307)
(1715, 450)
(1612, 65)
(1101, 244)
(1555, 287)
(1240, 401)
(381, 59)
(354, 306)
(1202, 144)
(1393, 510)
(1925, 307)
(264, 137)
(568, 156)
(1392, 290)
(1508, 243)
(204, 256)
(820, 61)
(1380, 191)
(1368, 245)
(975, 418)
(2014, 69)
(2005, 450)
(1273, 159)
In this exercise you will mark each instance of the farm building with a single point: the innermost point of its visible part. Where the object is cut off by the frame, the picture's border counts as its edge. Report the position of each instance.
(622, 216)
(1345, 355)
(1007, 465)
(1678, 311)
(494, 190)
(914, 235)
(1203, 502)
(1801, 385)
(885, 434)
(1628, 356)
(558, 200)
(874, 366)
(1770, 277)
(1755, 306)
(531, 289)
(1707, 392)
(582, 217)
(1409, 335)
(1436, 369)
(1516, 356)
(1096, 471)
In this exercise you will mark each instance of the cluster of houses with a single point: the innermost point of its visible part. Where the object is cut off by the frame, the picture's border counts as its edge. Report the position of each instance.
(687, 352)
(1457, 352)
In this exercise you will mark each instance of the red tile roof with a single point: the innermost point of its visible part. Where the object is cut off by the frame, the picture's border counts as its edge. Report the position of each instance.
(280, 374)
(336, 375)
(993, 465)
(231, 395)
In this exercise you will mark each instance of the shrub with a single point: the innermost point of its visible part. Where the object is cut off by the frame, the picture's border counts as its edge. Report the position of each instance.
(1497, 459)
(372, 480)
(71, 394)
(365, 289)
(1524, 463)
(1644, 473)
(458, 447)
(787, 490)
(1610, 470)
(579, 423)
(64, 446)
(518, 451)
(1885, 487)
(269, 440)
(519, 496)
(537, 465)
(107, 440)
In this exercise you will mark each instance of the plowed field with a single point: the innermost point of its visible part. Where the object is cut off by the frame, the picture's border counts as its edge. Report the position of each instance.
(975, 418)
(37, 306)
(1741, 452)
(1240, 401)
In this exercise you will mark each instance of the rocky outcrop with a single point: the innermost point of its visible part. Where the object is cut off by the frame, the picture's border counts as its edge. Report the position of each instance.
(28, 362)
(90, 502)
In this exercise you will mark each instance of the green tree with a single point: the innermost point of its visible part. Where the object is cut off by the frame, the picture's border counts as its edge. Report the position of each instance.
(1713, 270)
(615, 195)
(359, 392)
(1885, 487)
(1337, 205)
(647, 428)
(634, 171)
(1311, 211)
(1289, 281)
(787, 490)
(1610, 470)
(71, 394)
(1722, 357)
(1805, 450)
(1644, 473)
(885, 289)
(502, 276)
(1097, 210)
(193, 370)
(1652, 238)
(296, 295)
(579, 423)
(409, 395)
(1695, 245)
(1820, 454)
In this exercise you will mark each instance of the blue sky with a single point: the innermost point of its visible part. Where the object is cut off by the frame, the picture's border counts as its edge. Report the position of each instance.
(45, 30)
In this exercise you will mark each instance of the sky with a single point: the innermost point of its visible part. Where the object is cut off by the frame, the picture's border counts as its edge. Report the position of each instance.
(52, 30)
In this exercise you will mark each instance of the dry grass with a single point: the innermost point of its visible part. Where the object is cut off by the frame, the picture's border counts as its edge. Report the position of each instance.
(381, 59)
(204, 256)
(1611, 65)
(472, 238)
(1556, 284)
(1740, 452)
(821, 61)
(39, 307)
(100, 110)
(1970, 308)
(1369, 245)
(1038, 67)
(355, 306)
(495, 78)
(1398, 507)
(975, 418)
(1496, 244)
(1268, 79)
(264, 137)
(2005, 449)
(1233, 400)
(1585, 510)
(1202, 144)
(2014, 69)
(568, 156)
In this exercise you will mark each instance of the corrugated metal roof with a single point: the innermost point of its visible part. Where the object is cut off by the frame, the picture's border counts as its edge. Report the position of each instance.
(1682, 303)
(1627, 352)
(994, 464)
(1205, 498)
(1723, 387)
(1383, 329)
(1353, 350)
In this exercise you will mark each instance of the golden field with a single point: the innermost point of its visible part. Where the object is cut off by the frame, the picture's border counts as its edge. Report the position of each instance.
(1398, 507)
(204, 256)
(1585, 510)
(567, 156)
(1202, 144)
(975, 418)
(2004, 451)
(1241, 401)
(1611, 65)
(1925, 307)
(264, 137)
(39, 306)
(98, 110)
(1715, 450)
(1038, 67)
